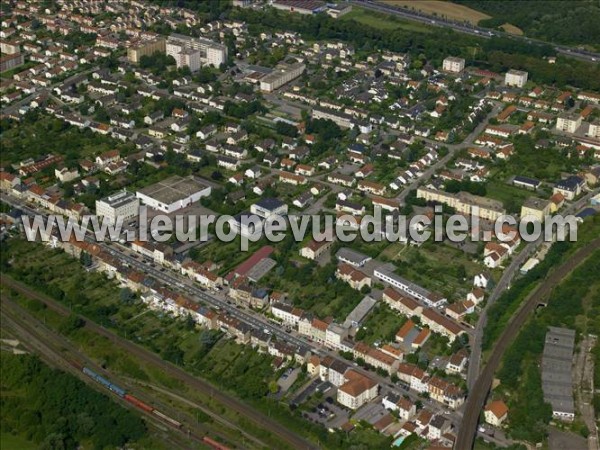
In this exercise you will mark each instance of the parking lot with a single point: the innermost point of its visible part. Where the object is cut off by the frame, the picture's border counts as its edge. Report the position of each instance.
(288, 378)
(371, 412)
(327, 412)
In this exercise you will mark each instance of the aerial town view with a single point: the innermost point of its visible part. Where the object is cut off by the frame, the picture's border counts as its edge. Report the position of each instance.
(300, 224)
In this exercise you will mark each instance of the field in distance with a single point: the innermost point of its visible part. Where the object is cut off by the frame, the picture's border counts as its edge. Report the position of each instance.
(449, 10)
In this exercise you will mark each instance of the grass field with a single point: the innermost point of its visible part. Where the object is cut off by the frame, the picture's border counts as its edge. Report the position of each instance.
(382, 324)
(512, 29)
(441, 8)
(435, 266)
(511, 196)
(9, 441)
(383, 21)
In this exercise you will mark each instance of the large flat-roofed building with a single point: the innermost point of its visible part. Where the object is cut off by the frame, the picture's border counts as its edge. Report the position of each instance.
(186, 49)
(282, 74)
(301, 6)
(340, 118)
(569, 123)
(453, 64)
(174, 193)
(386, 274)
(557, 379)
(465, 203)
(516, 78)
(146, 48)
(122, 204)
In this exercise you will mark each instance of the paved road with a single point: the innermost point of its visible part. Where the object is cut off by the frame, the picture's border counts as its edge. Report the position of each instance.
(219, 301)
(465, 27)
(153, 359)
(505, 281)
(476, 399)
(452, 149)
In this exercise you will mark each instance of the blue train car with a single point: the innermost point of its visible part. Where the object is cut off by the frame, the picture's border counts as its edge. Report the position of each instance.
(103, 381)
(90, 372)
(117, 390)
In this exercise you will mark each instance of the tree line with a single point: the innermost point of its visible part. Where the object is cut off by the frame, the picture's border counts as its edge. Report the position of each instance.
(58, 411)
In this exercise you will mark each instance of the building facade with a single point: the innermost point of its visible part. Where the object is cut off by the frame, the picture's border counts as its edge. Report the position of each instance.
(123, 204)
(516, 78)
(453, 64)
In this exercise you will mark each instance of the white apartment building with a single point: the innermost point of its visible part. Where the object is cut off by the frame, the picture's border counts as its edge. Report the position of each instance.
(516, 78)
(123, 204)
(283, 74)
(195, 52)
(189, 57)
(594, 130)
(453, 64)
(569, 123)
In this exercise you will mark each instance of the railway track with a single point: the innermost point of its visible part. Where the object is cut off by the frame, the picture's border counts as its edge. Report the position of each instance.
(477, 396)
(147, 356)
(54, 352)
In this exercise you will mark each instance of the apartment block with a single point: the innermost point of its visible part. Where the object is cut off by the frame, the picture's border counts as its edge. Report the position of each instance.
(516, 78)
(453, 64)
(123, 204)
(283, 74)
(569, 123)
(465, 203)
(146, 48)
(196, 51)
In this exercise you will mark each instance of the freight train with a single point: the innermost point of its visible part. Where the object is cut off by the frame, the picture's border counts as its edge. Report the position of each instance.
(130, 398)
(141, 405)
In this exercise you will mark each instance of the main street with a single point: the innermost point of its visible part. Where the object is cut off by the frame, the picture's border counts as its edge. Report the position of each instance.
(218, 301)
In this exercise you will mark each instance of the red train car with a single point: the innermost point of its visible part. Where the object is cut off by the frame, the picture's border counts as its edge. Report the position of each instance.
(214, 444)
(138, 403)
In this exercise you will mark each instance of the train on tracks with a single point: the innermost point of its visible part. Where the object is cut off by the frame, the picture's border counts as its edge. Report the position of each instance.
(142, 405)
(129, 398)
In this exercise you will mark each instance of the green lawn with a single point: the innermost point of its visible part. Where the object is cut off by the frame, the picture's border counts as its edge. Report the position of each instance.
(11, 442)
(382, 324)
(382, 21)
(511, 197)
(436, 266)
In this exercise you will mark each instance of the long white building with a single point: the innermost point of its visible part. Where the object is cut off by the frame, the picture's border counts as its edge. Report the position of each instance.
(174, 193)
(283, 73)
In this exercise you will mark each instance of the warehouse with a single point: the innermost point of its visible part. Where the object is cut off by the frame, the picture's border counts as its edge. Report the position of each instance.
(174, 193)
(557, 378)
